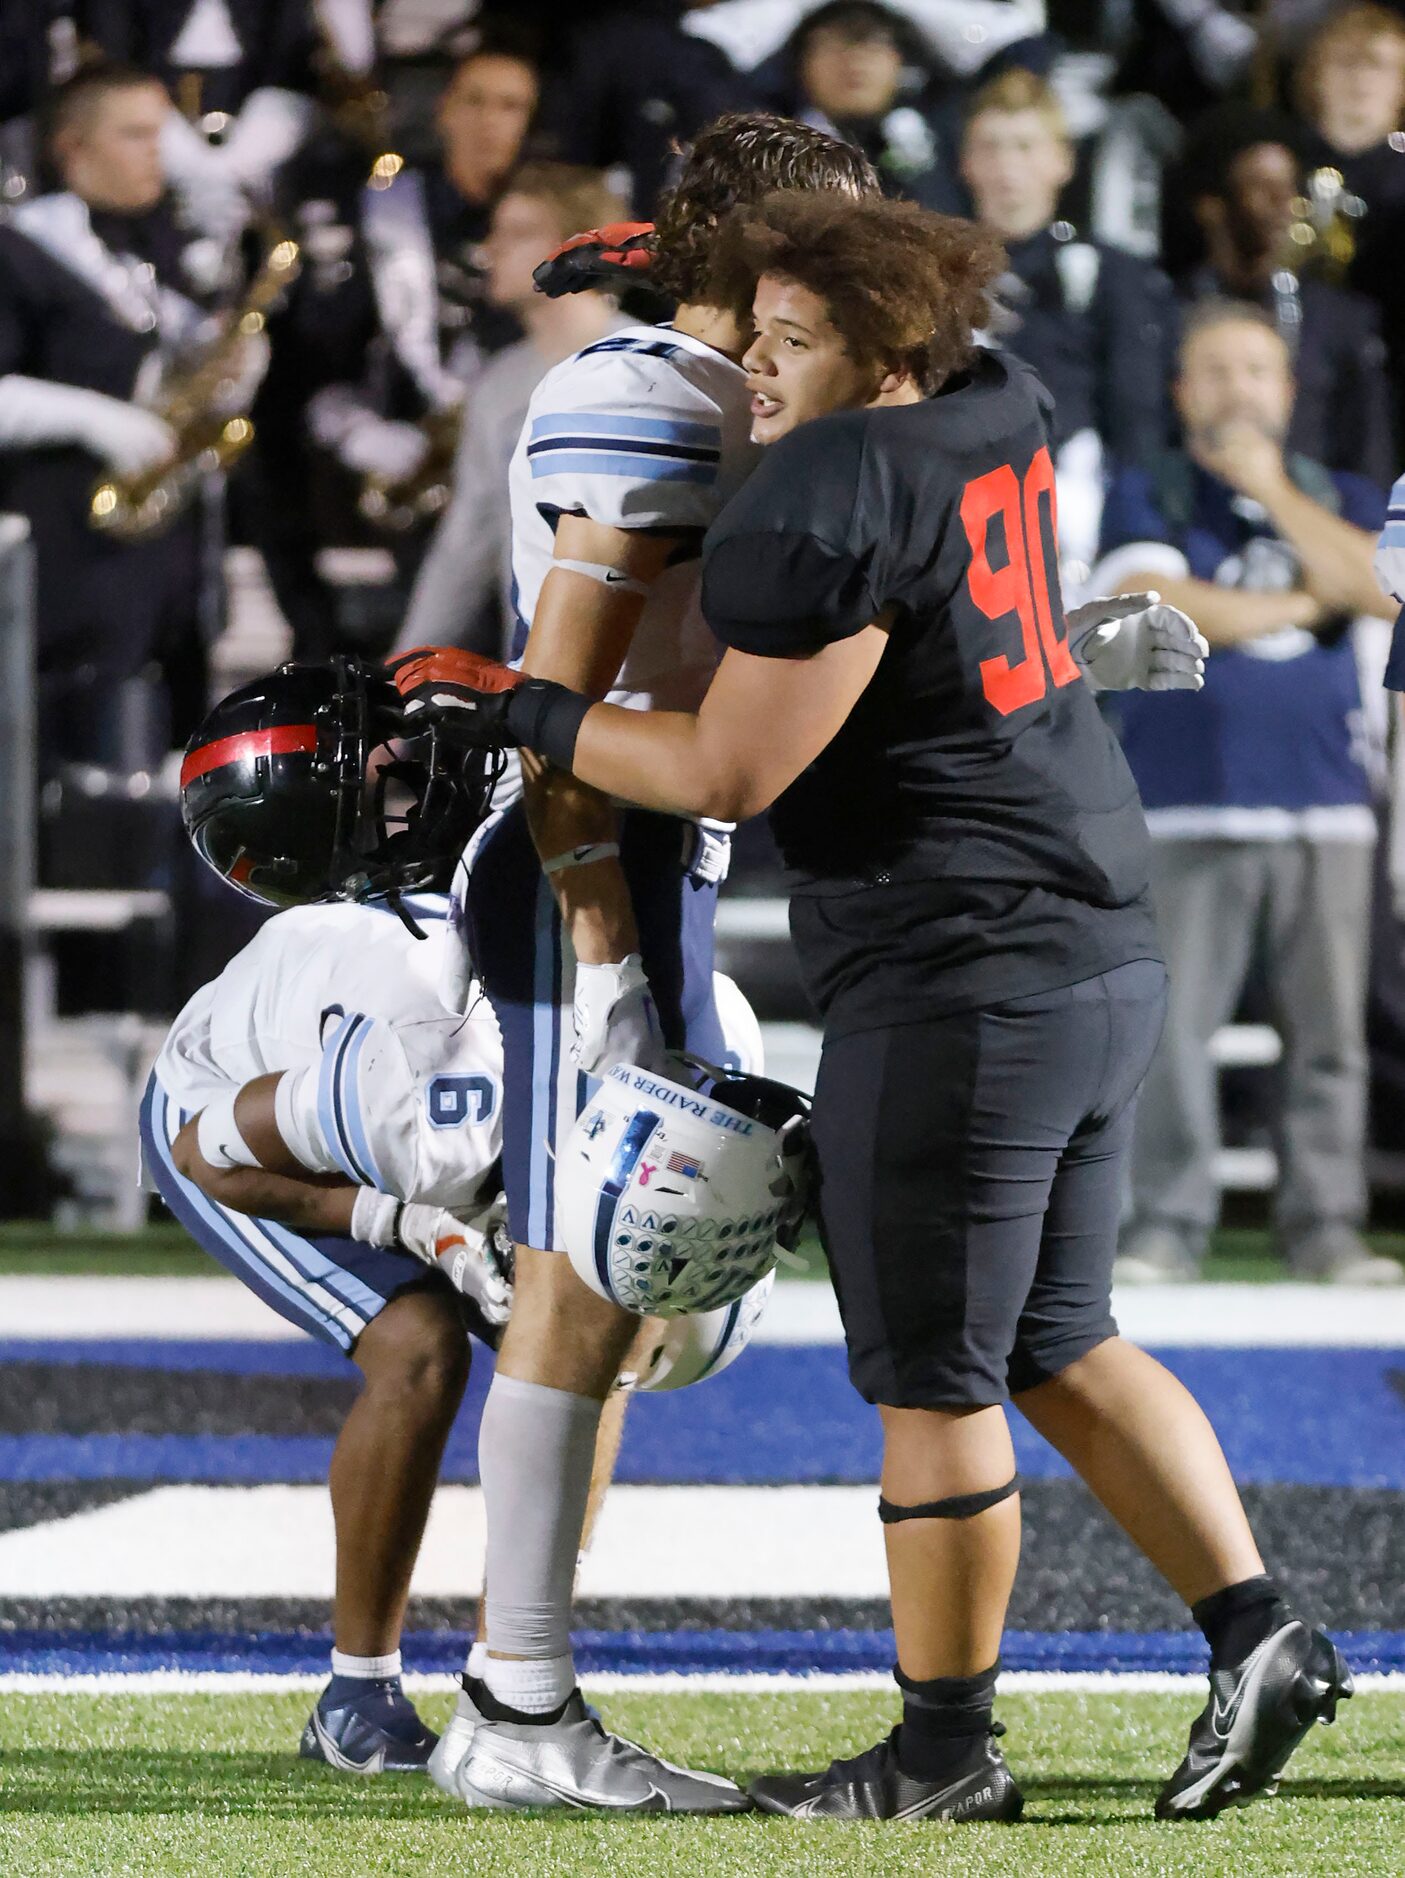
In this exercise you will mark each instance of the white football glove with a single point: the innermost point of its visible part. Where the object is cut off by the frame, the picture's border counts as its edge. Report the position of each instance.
(1389, 561)
(463, 1250)
(371, 445)
(1136, 643)
(126, 437)
(615, 1018)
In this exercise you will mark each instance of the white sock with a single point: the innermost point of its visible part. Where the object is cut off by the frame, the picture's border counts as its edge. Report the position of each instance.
(536, 1448)
(536, 1685)
(477, 1657)
(367, 1668)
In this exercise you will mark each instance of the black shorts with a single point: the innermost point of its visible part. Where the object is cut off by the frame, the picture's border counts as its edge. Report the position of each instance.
(971, 1179)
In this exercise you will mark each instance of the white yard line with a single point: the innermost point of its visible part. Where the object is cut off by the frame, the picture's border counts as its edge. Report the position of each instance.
(711, 1682)
(277, 1541)
(1169, 1316)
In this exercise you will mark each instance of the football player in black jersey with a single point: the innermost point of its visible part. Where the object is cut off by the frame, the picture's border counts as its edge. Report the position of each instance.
(969, 876)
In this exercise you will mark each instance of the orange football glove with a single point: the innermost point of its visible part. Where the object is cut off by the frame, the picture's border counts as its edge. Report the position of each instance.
(444, 686)
(616, 254)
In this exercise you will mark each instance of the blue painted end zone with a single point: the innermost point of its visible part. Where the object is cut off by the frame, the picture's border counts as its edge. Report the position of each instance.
(1318, 1417)
(684, 1652)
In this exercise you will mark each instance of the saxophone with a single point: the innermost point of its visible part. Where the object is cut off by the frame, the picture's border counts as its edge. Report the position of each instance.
(1323, 234)
(1319, 241)
(401, 504)
(195, 403)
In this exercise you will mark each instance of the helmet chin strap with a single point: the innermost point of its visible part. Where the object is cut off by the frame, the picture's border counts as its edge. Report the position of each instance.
(404, 915)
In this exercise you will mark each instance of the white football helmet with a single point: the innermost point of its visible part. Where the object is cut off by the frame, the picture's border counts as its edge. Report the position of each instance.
(690, 1349)
(672, 1198)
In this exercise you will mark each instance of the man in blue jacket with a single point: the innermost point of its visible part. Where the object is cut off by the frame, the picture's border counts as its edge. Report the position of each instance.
(1257, 794)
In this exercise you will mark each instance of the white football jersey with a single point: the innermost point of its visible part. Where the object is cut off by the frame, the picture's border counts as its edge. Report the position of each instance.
(650, 429)
(390, 1089)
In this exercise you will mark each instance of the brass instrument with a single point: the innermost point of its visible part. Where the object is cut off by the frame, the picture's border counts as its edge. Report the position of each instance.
(403, 503)
(358, 105)
(195, 404)
(1322, 236)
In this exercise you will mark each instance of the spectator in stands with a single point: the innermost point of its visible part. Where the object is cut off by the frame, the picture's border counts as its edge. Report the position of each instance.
(39, 50)
(634, 88)
(1350, 86)
(96, 303)
(1257, 796)
(419, 231)
(1188, 53)
(388, 323)
(243, 78)
(462, 594)
(1095, 323)
(861, 71)
(1241, 179)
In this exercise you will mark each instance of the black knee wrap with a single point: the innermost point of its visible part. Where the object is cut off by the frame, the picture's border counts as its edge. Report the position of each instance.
(959, 1506)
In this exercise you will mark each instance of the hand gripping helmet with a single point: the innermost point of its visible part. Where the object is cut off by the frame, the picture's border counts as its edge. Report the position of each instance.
(689, 1349)
(672, 1197)
(276, 795)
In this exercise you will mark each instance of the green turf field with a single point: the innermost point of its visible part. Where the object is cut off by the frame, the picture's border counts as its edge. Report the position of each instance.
(207, 1784)
(1238, 1254)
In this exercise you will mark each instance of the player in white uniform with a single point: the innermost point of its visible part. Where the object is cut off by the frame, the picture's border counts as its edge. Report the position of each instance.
(327, 1027)
(328, 1131)
(591, 929)
(329, 1023)
(323, 1049)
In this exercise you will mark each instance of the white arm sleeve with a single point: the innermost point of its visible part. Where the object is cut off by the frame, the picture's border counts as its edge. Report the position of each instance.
(355, 1113)
(623, 437)
(295, 1117)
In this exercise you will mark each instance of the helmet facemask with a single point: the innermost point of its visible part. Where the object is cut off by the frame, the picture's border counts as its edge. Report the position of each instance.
(301, 787)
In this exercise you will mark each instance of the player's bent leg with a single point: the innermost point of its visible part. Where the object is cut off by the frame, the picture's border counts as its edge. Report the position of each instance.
(950, 1511)
(1145, 1448)
(533, 1740)
(1143, 1445)
(454, 1742)
(405, 1330)
(414, 1356)
(940, 1150)
(950, 1574)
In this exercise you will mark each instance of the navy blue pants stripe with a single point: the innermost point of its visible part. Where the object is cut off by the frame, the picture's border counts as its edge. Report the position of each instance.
(518, 946)
(330, 1286)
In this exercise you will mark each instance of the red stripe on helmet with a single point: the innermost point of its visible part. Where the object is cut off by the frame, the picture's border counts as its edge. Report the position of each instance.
(282, 740)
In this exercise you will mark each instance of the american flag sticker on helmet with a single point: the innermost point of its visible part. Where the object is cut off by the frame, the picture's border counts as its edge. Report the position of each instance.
(684, 1164)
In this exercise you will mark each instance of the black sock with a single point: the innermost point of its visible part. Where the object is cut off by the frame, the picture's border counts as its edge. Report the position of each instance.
(1236, 1620)
(942, 1720)
(488, 1704)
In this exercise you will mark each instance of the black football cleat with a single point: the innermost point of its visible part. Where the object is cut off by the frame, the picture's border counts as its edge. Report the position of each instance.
(1259, 1710)
(873, 1786)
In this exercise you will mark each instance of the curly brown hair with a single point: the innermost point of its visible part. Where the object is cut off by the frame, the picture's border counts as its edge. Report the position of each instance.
(904, 287)
(736, 160)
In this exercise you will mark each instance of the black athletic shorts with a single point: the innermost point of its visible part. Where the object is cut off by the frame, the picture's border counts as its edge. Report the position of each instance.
(971, 1180)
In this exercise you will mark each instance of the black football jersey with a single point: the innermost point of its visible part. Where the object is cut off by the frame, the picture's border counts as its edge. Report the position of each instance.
(975, 800)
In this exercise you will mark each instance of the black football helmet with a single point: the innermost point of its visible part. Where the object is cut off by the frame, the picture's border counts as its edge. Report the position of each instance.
(278, 798)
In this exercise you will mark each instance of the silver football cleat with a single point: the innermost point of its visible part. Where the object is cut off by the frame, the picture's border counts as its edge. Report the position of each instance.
(574, 1762)
(453, 1744)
